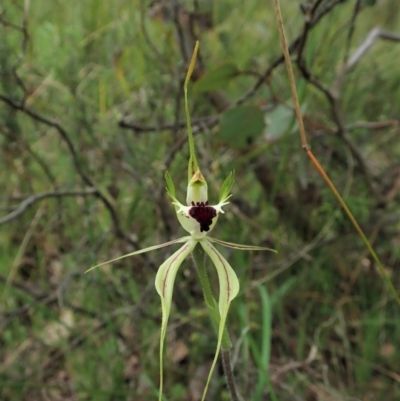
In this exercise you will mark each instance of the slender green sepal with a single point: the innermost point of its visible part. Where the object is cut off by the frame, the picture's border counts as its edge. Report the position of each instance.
(193, 166)
(164, 283)
(150, 248)
(241, 246)
(229, 288)
(224, 193)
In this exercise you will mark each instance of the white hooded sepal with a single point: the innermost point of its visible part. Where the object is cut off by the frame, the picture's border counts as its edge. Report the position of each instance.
(197, 190)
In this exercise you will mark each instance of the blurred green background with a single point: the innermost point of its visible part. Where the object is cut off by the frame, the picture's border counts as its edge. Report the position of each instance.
(91, 116)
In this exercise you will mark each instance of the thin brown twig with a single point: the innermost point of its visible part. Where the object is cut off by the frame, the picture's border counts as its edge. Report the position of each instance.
(286, 56)
(210, 121)
(9, 24)
(374, 125)
(24, 205)
(186, 38)
(308, 17)
(25, 38)
(350, 33)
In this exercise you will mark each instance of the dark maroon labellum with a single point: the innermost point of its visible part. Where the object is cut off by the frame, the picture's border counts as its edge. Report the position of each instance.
(203, 214)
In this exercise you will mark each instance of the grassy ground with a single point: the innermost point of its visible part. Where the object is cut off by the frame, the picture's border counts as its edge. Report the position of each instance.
(314, 322)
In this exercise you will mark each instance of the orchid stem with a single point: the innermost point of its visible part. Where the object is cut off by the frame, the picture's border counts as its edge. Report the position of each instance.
(199, 260)
(230, 380)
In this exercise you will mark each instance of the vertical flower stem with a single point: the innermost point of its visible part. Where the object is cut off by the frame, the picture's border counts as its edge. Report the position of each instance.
(230, 380)
(212, 306)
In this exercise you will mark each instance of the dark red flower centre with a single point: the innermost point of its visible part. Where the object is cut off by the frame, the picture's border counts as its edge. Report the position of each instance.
(203, 214)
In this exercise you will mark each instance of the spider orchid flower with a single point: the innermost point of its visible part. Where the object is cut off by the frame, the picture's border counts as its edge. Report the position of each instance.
(198, 218)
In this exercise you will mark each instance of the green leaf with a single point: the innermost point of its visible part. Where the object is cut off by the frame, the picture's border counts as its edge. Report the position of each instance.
(279, 121)
(239, 127)
(216, 78)
(228, 290)
(164, 283)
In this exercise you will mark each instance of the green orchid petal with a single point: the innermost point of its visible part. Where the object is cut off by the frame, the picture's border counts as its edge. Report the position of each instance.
(241, 246)
(150, 248)
(228, 281)
(165, 279)
(229, 288)
(226, 188)
(170, 186)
